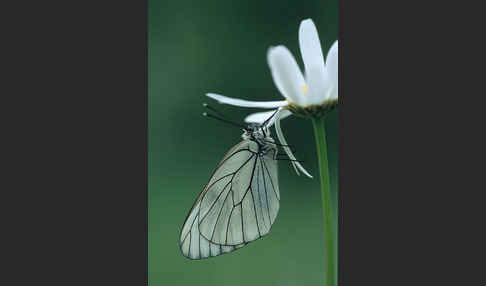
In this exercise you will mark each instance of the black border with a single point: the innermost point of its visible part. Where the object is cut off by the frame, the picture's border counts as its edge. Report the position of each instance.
(75, 191)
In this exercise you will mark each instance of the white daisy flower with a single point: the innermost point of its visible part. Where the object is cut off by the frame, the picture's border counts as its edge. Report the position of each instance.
(315, 95)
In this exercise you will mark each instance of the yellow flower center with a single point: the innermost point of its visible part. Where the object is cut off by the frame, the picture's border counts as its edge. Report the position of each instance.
(304, 88)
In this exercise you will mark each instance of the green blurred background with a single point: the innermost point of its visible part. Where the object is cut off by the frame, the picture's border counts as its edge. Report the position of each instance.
(220, 46)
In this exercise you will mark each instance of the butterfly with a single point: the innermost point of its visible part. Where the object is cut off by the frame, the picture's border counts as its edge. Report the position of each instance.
(240, 202)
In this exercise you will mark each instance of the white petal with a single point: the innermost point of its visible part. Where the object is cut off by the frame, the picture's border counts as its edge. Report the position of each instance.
(332, 93)
(246, 103)
(332, 69)
(310, 45)
(317, 86)
(282, 140)
(286, 74)
(315, 71)
(261, 117)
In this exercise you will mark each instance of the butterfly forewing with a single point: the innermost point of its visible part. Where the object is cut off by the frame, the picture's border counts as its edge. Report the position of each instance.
(238, 205)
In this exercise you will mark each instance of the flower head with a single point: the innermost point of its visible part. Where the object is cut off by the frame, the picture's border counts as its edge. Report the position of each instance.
(314, 95)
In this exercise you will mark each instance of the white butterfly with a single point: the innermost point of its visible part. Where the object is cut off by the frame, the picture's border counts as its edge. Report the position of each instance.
(240, 202)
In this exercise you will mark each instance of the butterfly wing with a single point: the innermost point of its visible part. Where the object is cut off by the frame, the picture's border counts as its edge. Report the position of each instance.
(238, 205)
(194, 245)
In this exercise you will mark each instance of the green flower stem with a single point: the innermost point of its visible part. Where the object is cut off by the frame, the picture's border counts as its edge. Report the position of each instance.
(329, 205)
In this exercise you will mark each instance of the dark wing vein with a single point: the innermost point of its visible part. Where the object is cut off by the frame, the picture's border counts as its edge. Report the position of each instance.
(219, 215)
(212, 205)
(228, 224)
(271, 180)
(200, 246)
(242, 225)
(266, 195)
(218, 180)
(226, 159)
(254, 212)
(190, 241)
(253, 198)
(259, 195)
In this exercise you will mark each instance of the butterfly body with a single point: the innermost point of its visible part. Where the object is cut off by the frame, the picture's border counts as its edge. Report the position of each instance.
(240, 202)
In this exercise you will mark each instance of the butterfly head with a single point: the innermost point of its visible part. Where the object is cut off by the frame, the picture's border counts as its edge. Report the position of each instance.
(258, 133)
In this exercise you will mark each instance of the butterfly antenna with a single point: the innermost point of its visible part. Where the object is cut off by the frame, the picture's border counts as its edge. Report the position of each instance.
(214, 110)
(224, 120)
(269, 118)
